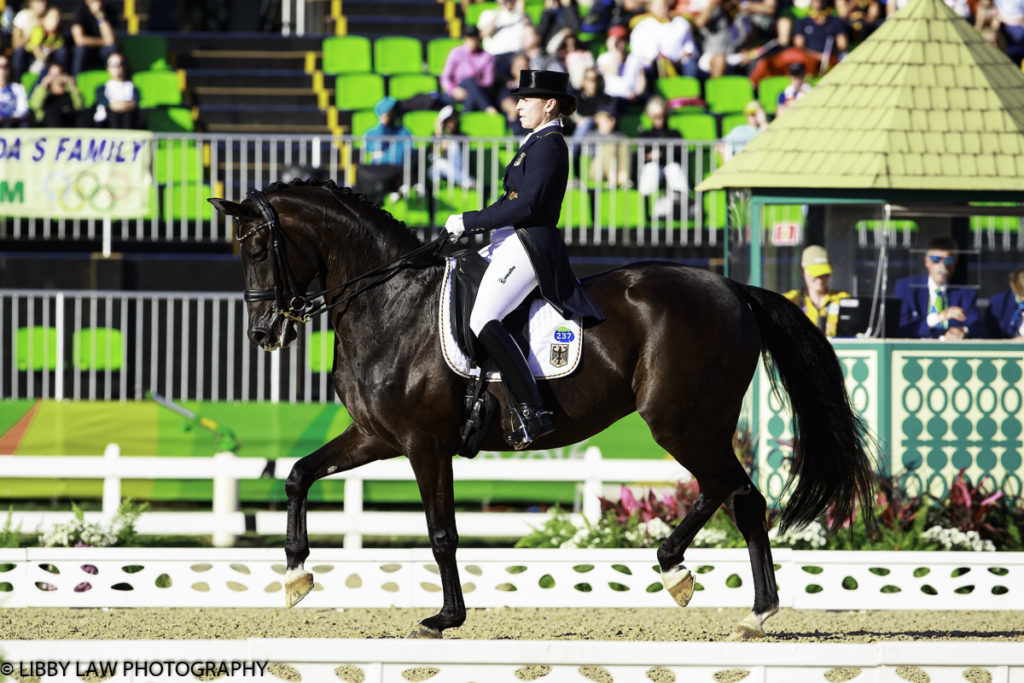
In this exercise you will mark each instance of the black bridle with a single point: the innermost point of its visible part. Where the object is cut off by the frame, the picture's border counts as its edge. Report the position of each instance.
(302, 306)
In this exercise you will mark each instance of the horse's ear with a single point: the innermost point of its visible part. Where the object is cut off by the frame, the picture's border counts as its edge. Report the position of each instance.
(229, 208)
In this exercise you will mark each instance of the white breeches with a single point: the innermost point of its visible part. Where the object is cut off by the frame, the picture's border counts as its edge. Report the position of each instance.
(506, 282)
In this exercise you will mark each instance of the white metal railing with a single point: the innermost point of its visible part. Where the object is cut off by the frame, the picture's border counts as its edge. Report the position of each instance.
(499, 577)
(225, 521)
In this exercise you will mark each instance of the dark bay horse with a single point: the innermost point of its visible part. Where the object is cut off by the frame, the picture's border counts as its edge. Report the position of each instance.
(680, 347)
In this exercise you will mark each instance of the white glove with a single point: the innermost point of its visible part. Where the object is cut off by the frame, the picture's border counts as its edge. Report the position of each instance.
(454, 226)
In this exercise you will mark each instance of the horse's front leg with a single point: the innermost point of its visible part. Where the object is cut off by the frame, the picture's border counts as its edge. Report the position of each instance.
(348, 450)
(434, 478)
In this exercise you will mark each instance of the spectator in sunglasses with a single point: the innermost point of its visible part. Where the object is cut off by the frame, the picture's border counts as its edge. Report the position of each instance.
(932, 308)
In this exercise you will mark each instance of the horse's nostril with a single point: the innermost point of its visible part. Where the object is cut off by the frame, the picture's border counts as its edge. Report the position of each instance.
(259, 336)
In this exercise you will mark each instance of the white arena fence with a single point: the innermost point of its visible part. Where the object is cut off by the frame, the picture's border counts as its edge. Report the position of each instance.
(225, 521)
(503, 661)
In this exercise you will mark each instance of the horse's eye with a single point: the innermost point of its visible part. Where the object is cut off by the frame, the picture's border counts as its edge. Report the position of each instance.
(258, 252)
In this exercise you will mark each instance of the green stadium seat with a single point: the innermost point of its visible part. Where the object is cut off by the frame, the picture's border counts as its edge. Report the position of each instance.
(404, 86)
(482, 124)
(716, 209)
(775, 214)
(534, 10)
(576, 209)
(170, 120)
(177, 160)
(363, 120)
(145, 52)
(475, 9)
(768, 90)
(694, 126)
(437, 53)
(994, 223)
(358, 91)
(629, 123)
(728, 94)
(420, 123)
(320, 351)
(158, 88)
(346, 54)
(187, 200)
(36, 348)
(89, 83)
(619, 209)
(397, 55)
(672, 87)
(413, 210)
(450, 199)
(97, 348)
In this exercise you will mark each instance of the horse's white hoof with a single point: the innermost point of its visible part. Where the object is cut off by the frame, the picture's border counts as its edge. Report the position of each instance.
(421, 632)
(679, 584)
(297, 585)
(752, 626)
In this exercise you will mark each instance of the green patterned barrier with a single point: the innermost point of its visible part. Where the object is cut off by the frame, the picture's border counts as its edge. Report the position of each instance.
(936, 408)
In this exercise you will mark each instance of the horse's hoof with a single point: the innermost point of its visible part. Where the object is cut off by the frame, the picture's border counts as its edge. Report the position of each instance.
(297, 585)
(679, 584)
(424, 632)
(752, 626)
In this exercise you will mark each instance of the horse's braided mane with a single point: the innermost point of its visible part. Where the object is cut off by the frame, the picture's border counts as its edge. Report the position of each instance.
(348, 196)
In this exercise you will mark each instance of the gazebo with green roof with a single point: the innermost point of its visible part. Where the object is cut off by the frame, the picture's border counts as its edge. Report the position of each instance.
(926, 116)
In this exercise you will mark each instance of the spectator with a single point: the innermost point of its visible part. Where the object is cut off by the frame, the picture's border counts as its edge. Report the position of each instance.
(1010, 15)
(468, 74)
(577, 60)
(387, 148)
(737, 138)
(46, 44)
(1005, 316)
(662, 161)
(623, 72)
(591, 98)
(725, 32)
(609, 166)
(559, 19)
(56, 101)
(862, 17)
(819, 303)
(821, 32)
(797, 88)
(930, 306)
(117, 104)
(451, 153)
(986, 21)
(13, 101)
(502, 32)
(540, 59)
(765, 20)
(664, 43)
(961, 7)
(21, 30)
(93, 35)
(509, 102)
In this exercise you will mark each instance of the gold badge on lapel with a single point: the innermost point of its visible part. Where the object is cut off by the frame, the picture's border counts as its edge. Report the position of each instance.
(512, 194)
(519, 159)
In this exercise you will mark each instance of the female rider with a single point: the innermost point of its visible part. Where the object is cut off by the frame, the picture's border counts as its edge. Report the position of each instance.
(526, 248)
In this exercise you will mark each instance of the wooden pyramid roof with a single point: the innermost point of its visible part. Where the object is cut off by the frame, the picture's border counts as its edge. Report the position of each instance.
(925, 103)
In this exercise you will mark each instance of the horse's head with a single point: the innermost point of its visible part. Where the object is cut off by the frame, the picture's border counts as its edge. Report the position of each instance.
(275, 266)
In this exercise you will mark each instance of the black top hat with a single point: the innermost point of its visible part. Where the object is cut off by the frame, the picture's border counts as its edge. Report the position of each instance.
(542, 84)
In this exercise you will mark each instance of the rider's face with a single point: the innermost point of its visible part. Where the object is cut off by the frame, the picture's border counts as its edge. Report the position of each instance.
(535, 112)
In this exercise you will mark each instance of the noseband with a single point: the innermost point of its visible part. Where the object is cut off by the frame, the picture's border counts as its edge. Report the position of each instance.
(301, 306)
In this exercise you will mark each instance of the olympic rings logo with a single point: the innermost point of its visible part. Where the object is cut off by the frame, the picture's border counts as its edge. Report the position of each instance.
(86, 188)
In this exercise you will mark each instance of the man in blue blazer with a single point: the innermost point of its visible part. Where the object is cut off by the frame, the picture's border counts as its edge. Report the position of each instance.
(932, 308)
(1005, 317)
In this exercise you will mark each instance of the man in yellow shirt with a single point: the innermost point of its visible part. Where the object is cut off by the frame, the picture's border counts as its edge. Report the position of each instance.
(816, 300)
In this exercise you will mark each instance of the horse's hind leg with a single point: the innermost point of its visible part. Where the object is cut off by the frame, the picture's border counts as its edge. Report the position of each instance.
(346, 451)
(749, 510)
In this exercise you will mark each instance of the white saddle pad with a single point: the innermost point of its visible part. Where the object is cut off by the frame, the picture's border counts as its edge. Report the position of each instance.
(556, 344)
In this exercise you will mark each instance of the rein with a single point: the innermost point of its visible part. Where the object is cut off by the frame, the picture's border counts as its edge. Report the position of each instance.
(301, 307)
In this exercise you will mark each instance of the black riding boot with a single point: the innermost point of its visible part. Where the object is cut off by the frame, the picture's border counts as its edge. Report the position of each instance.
(535, 421)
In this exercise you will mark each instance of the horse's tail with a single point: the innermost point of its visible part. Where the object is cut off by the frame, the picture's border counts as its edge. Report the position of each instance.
(830, 463)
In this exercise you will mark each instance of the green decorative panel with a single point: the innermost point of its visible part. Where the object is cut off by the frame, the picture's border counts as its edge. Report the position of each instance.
(957, 409)
(861, 369)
